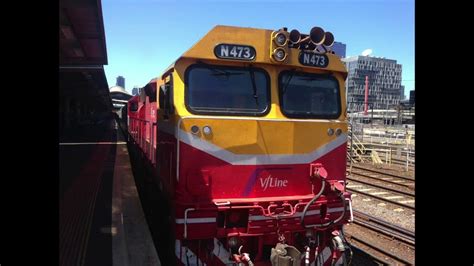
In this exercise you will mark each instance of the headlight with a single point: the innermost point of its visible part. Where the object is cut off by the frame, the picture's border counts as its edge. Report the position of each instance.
(279, 54)
(280, 39)
(207, 130)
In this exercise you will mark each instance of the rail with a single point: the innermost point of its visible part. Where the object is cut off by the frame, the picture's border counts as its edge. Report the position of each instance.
(381, 226)
(383, 173)
(410, 194)
(382, 199)
(378, 249)
(385, 180)
(384, 228)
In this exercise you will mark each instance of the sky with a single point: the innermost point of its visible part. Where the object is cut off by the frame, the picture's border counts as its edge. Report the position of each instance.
(144, 37)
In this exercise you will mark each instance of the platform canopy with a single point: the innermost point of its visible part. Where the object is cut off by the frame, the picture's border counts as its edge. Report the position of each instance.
(82, 53)
(81, 31)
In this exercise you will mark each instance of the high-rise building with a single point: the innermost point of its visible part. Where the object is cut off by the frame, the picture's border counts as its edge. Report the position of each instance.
(402, 93)
(384, 82)
(120, 81)
(135, 91)
(339, 49)
(412, 97)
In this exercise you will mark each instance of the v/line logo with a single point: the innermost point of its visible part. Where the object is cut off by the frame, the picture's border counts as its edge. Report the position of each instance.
(269, 181)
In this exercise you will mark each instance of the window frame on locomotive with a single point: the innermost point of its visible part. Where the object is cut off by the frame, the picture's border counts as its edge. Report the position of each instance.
(165, 96)
(227, 112)
(307, 74)
(132, 105)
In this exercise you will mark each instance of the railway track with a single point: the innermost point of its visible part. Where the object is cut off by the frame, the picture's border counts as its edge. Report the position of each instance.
(404, 183)
(401, 200)
(384, 242)
(381, 192)
(396, 191)
(367, 258)
(364, 246)
(368, 170)
(390, 231)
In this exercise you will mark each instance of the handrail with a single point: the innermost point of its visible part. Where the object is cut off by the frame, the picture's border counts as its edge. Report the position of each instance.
(375, 157)
(360, 149)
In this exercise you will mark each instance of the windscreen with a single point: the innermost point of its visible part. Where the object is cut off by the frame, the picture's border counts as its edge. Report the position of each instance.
(309, 95)
(227, 90)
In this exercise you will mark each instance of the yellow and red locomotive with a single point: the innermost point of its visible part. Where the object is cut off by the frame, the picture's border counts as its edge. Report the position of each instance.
(247, 134)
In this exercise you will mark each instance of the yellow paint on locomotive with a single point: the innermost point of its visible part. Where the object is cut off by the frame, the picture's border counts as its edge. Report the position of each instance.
(260, 40)
(272, 133)
(254, 136)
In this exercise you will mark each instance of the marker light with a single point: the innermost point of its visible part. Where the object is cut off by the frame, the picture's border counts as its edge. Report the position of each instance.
(207, 130)
(330, 132)
(338, 131)
(279, 54)
(194, 130)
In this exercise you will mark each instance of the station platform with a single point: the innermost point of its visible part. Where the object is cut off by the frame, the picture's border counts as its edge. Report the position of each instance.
(101, 218)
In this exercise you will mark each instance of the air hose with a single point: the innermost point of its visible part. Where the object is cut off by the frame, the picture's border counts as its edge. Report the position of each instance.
(323, 185)
(313, 200)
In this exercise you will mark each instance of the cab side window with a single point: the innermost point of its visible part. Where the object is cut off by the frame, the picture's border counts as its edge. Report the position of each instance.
(166, 97)
(133, 106)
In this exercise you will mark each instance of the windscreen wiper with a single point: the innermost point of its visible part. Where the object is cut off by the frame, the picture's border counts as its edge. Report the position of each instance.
(285, 86)
(254, 86)
(313, 79)
(218, 71)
